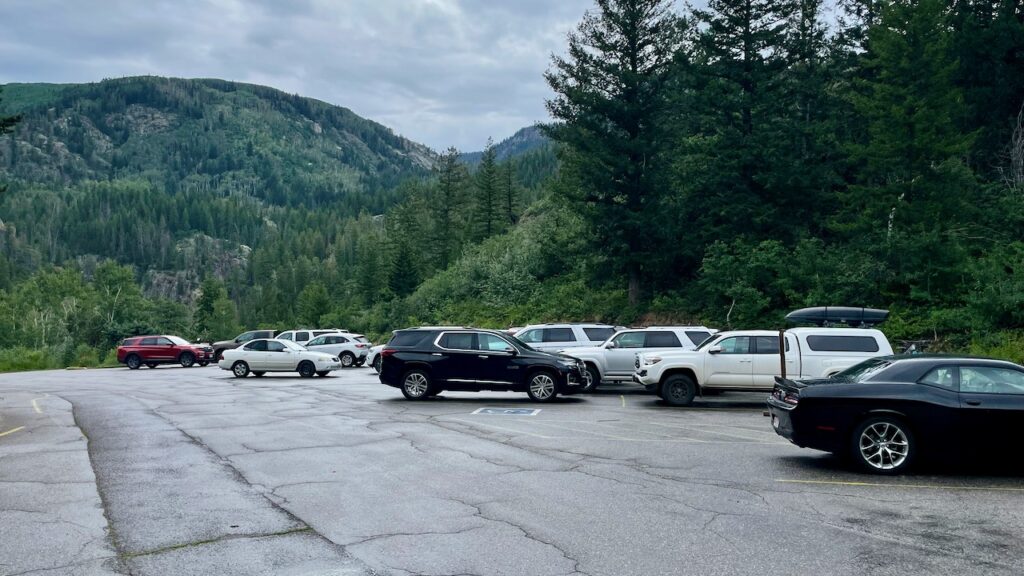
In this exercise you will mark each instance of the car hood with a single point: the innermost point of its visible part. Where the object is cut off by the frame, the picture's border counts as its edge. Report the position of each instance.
(224, 343)
(313, 355)
(583, 350)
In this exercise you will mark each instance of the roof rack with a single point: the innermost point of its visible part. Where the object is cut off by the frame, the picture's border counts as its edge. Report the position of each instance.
(831, 315)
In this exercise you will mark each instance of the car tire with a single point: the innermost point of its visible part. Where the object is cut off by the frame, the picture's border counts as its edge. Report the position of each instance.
(259, 373)
(376, 363)
(133, 362)
(187, 359)
(323, 373)
(307, 369)
(151, 365)
(240, 369)
(360, 362)
(883, 445)
(678, 390)
(348, 359)
(204, 364)
(592, 377)
(416, 385)
(542, 387)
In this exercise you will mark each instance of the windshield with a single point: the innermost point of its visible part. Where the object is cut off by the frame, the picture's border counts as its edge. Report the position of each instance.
(517, 341)
(178, 341)
(292, 345)
(707, 341)
(864, 370)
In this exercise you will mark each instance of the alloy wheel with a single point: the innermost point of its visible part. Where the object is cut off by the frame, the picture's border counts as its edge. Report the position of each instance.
(542, 386)
(884, 446)
(416, 385)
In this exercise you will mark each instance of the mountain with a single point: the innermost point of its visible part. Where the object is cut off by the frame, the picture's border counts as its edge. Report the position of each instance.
(211, 136)
(523, 141)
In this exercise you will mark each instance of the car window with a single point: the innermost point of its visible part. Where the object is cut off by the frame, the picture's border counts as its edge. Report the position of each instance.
(274, 346)
(491, 343)
(598, 334)
(735, 345)
(559, 335)
(340, 340)
(286, 336)
(943, 377)
(147, 342)
(408, 338)
(768, 344)
(256, 346)
(532, 336)
(301, 336)
(663, 339)
(864, 370)
(163, 342)
(991, 380)
(842, 343)
(630, 340)
(362, 339)
(319, 341)
(697, 336)
(245, 337)
(457, 341)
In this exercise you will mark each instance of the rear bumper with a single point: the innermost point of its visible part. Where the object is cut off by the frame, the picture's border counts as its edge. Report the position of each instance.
(801, 428)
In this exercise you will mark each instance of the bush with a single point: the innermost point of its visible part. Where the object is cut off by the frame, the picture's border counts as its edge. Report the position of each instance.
(20, 359)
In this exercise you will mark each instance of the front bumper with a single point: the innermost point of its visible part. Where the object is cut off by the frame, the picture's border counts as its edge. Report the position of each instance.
(572, 380)
(328, 366)
(644, 377)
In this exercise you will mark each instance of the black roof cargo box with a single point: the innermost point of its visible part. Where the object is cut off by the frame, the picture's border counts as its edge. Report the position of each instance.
(828, 315)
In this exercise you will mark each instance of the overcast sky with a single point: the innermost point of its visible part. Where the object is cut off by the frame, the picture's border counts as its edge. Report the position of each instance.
(441, 72)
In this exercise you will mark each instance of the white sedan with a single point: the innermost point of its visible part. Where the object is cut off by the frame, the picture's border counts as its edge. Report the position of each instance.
(264, 355)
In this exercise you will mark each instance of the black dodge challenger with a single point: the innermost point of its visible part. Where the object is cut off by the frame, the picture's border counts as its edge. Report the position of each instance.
(886, 413)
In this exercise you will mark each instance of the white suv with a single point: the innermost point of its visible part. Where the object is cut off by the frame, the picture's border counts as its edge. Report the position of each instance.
(303, 335)
(351, 349)
(553, 337)
(614, 360)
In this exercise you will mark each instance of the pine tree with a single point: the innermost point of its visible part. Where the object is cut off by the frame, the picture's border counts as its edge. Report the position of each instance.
(7, 124)
(610, 102)
(314, 302)
(448, 206)
(487, 193)
(510, 194)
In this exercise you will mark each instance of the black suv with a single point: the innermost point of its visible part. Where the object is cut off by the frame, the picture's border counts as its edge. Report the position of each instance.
(423, 362)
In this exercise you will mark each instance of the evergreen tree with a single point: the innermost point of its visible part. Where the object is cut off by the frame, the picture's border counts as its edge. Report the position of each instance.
(510, 195)
(314, 302)
(610, 103)
(215, 315)
(403, 278)
(6, 126)
(487, 194)
(448, 207)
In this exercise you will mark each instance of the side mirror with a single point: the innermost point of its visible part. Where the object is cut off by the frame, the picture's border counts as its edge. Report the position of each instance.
(511, 350)
(715, 350)
(611, 345)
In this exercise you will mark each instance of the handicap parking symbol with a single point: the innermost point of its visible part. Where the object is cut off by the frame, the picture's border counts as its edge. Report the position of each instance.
(507, 411)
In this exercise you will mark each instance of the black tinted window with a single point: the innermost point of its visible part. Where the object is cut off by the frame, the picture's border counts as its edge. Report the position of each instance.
(148, 342)
(458, 341)
(662, 339)
(943, 377)
(257, 346)
(301, 336)
(697, 336)
(598, 334)
(408, 338)
(842, 343)
(559, 335)
(766, 344)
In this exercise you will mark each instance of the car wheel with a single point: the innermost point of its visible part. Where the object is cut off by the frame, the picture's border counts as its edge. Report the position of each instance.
(151, 365)
(133, 362)
(204, 364)
(187, 359)
(591, 378)
(307, 369)
(259, 373)
(360, 362)
(347, 359)
(323, 373)
(376, 363)
(679, 390)
(542, 387)
(416, 385)
(883, 445)
(240, 369)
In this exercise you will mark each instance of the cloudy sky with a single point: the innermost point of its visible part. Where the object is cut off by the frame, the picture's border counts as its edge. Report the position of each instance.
(441, 72)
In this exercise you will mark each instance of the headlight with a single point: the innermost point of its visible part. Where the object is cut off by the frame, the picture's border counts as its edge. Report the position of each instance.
(648, 360)
(567, 362)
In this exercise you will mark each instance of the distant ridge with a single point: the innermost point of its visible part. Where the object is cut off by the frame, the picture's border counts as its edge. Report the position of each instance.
(523, 141)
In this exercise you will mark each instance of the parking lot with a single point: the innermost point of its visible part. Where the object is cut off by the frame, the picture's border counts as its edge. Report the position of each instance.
(189, 471)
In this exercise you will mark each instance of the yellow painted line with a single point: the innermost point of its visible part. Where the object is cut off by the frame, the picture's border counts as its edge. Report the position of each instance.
(916, 486)
(12, 431)
(623, 396)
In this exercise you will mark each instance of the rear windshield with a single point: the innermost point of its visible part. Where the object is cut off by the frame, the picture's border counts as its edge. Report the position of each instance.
(697, 336)
(864, 370)
(408, 338)
(842, 343)
(598, 334)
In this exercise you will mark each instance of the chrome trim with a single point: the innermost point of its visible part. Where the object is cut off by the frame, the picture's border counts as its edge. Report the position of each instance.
(488, 352)
(479, 381)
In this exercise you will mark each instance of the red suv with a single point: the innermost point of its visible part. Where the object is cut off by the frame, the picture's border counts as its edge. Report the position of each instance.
(154, 350)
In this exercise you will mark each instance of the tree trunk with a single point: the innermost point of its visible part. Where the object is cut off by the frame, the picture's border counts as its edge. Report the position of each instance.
(634, 285)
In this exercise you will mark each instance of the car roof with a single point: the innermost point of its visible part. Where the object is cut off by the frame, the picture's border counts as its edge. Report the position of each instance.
(567, 325)
(704, 328)
(949, 358)
(837, 331)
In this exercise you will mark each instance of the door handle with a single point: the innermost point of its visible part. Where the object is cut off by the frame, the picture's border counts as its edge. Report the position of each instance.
(437, 354)
(972, 402)
(483, 356)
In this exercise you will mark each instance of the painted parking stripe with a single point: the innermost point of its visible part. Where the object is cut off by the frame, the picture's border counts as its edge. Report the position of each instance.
(898, 485)
(12, 431)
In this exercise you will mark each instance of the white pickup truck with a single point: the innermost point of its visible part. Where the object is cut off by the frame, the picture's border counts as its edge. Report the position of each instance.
(749, 360)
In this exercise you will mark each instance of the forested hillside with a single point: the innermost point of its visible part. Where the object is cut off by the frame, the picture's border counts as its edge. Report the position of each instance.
(720, 165)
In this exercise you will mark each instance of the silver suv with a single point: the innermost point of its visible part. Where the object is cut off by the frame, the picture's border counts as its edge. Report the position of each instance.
(553, 337)
(615, 359)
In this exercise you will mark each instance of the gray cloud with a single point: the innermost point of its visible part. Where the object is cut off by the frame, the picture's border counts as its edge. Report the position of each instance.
(441, 72)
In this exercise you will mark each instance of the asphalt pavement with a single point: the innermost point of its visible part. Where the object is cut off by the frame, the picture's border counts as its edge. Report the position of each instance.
(190, 471)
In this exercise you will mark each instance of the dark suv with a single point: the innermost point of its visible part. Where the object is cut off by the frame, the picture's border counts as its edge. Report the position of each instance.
(220, 347)
(423, 362)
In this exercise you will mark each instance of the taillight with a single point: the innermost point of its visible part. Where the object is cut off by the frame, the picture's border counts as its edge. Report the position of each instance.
(791, 398)
(387, 352)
